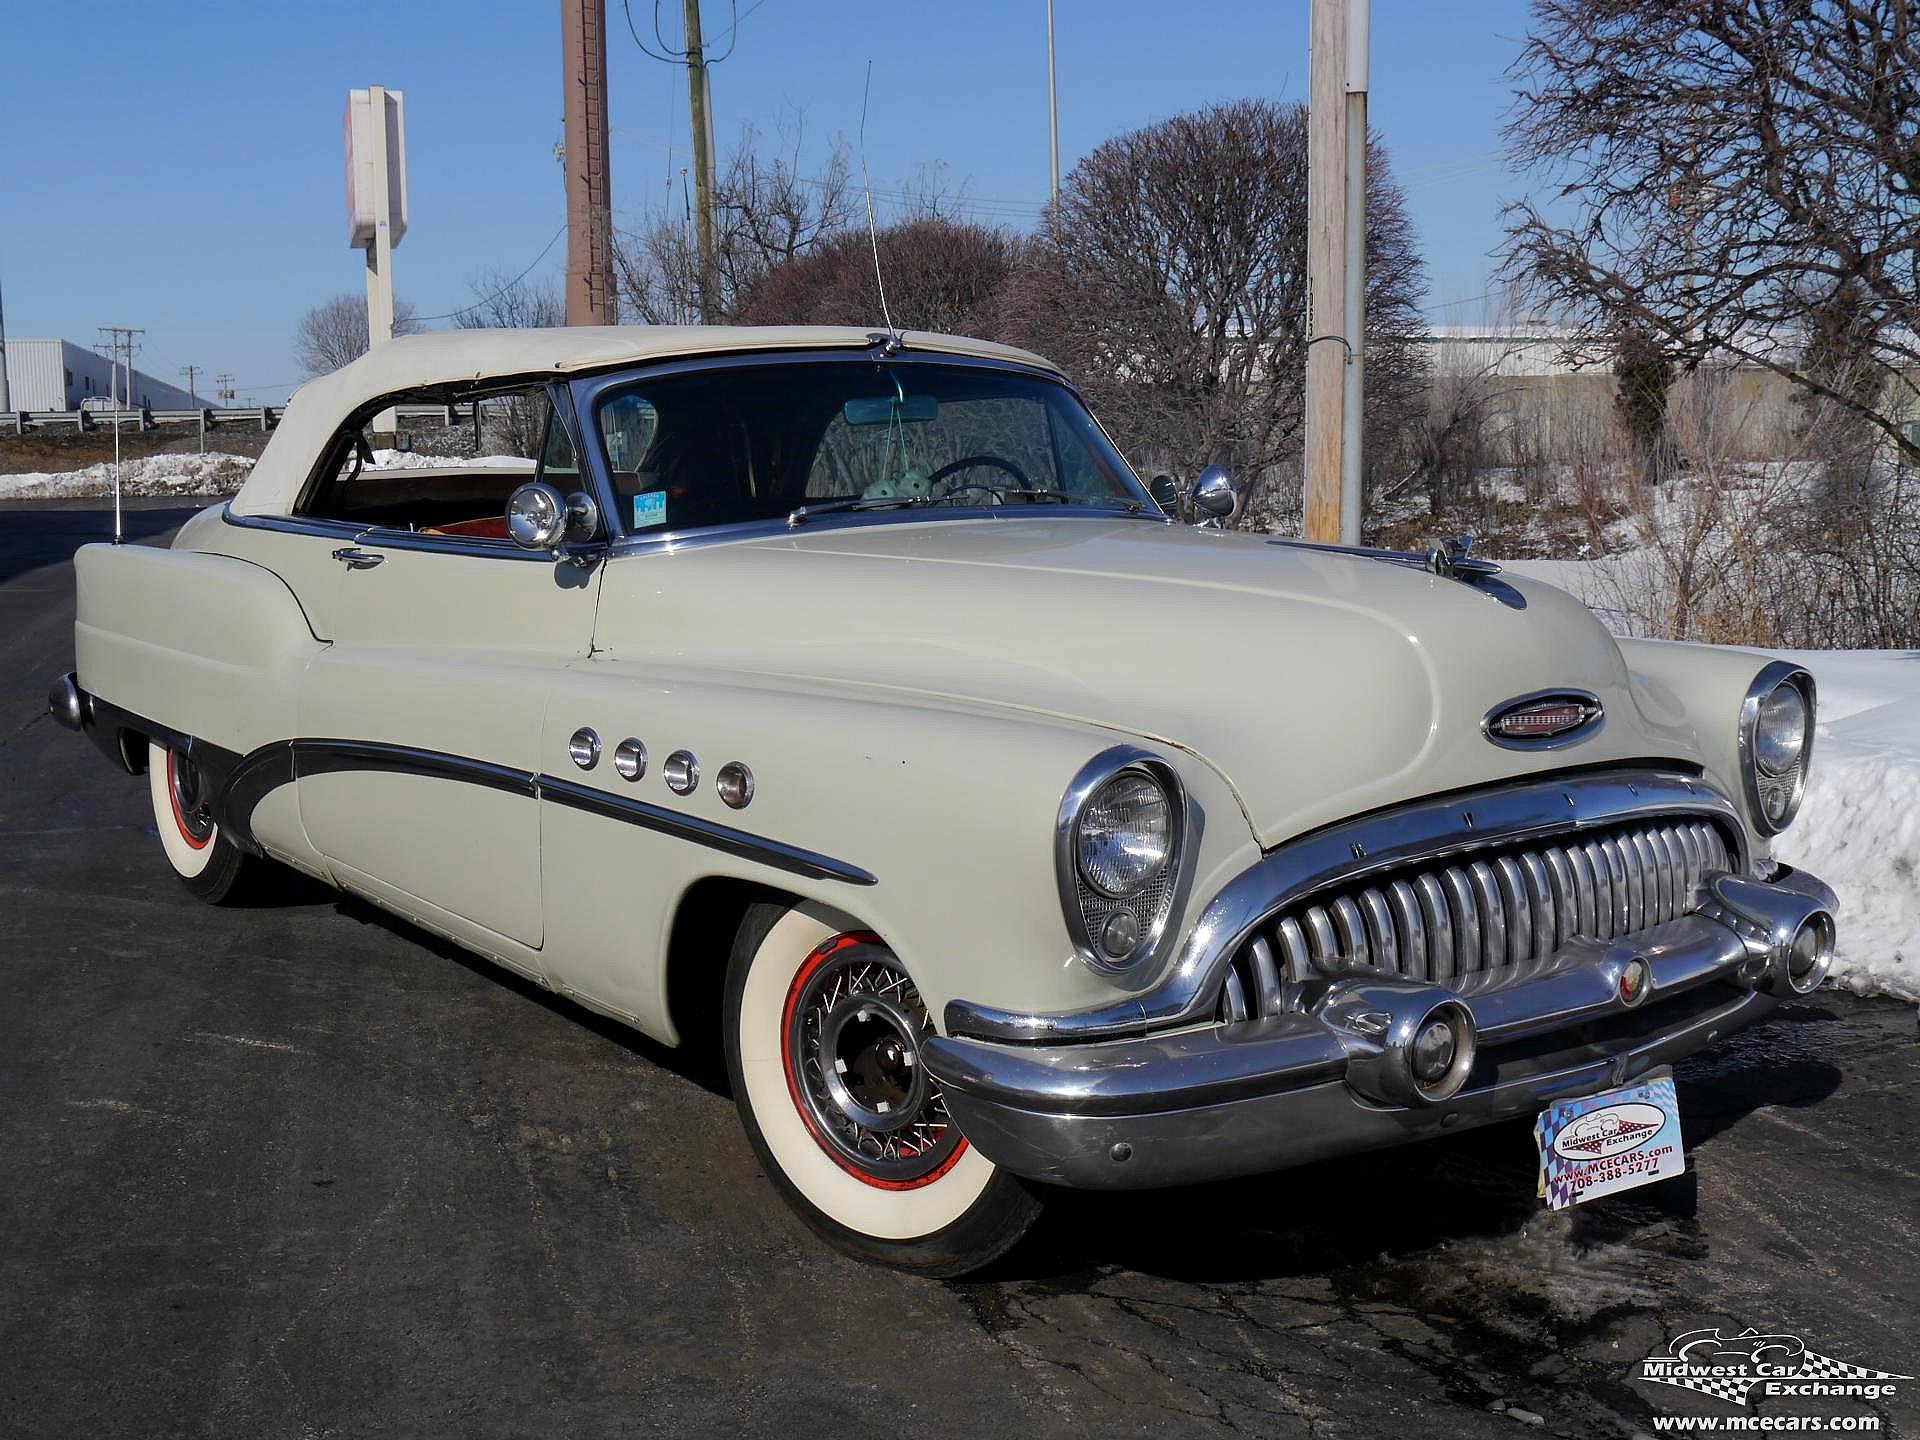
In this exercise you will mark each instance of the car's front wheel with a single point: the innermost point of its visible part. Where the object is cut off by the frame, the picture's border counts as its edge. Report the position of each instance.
(211, 866)
(823, 1032)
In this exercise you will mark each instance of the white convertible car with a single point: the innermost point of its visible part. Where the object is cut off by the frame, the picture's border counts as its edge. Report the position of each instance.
(845, 701)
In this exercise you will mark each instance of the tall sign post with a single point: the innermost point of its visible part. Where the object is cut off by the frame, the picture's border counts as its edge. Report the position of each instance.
(1336, 267)
(376, 135)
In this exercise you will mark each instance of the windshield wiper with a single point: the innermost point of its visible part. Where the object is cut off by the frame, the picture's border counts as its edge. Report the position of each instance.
(1068, 497)
(800, 514)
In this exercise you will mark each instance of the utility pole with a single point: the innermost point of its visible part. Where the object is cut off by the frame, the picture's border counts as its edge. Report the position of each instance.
(1336, 267)
(193, 399)
(120, 344)
(700, 109)
(583, 42)
(223, 389)
(1053, 109)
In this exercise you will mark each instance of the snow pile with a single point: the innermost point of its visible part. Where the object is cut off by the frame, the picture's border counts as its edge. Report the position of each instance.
(1860, 827)
(420, 460)
(214, 473)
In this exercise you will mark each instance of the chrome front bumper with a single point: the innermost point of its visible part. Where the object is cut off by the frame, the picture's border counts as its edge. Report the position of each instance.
(1216, 1101)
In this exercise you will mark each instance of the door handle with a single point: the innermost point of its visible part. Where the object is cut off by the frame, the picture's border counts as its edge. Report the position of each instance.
(357, 559)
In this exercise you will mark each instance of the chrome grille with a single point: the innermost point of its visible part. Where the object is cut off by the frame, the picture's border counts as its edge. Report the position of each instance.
(1479, 917)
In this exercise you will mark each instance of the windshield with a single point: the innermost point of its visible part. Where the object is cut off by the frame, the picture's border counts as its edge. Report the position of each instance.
(758, 442)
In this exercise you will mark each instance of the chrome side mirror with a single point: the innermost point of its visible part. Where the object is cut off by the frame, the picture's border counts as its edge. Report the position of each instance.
(539, 517)
(1213, 494)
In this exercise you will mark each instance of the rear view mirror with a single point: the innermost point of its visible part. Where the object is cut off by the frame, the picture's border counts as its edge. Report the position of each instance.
(890, 409)
(1166, 492)
(1213, 494)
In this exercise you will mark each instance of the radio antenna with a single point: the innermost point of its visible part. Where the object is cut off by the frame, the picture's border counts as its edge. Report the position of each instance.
(873, 233)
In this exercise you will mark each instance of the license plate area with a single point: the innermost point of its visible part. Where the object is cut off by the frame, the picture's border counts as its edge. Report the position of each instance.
(1617, 1140)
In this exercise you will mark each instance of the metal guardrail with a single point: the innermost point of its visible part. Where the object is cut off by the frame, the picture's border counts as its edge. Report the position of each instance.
(208, 417)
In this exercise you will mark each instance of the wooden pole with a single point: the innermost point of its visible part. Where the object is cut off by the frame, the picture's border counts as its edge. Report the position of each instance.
(700, 107)
(583, 43)
(1326, 267)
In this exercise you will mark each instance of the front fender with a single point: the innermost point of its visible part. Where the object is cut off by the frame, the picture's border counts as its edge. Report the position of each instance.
(1700, 688)
(950, 808)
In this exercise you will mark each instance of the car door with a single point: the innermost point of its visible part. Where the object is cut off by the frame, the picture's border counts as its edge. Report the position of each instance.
(421, 721)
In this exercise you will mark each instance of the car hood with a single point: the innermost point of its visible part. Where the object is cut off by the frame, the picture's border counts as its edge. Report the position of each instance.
(1318, 683)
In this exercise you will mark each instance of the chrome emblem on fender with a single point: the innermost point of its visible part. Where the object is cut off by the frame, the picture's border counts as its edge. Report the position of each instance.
(1540, 721)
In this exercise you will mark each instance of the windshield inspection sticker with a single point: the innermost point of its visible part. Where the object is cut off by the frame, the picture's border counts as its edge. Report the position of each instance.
(1600, 1144)
(1733, 1365)
(649, 509)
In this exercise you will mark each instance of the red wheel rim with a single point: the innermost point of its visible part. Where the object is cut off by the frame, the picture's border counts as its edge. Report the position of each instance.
(181, 821)
(822, 955)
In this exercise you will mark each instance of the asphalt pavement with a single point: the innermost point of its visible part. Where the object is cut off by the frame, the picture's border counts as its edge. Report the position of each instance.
(302, 1170)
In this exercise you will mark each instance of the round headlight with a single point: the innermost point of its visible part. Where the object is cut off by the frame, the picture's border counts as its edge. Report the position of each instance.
(1125, 834)
(1780, 732)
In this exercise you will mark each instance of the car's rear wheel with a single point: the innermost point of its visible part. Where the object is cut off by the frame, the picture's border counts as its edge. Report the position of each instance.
(823, 1032)
(211, 866)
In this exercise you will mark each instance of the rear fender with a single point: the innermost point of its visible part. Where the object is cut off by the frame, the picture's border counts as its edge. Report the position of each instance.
(201, 645)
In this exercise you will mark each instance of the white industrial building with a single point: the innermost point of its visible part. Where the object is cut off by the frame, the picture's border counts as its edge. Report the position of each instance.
(60, 375)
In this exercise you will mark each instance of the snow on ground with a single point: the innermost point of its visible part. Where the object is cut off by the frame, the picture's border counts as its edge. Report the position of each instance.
(214, 473)
(421, 460)
(1859, 829)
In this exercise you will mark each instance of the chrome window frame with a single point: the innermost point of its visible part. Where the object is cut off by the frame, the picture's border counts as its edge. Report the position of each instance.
(588, 392)
(561, 401)
(1772, 676)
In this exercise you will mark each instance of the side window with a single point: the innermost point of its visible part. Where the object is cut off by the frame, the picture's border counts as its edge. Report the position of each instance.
(444, 472)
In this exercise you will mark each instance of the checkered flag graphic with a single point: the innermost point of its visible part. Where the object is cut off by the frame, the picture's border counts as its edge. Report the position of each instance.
(1727, 1388)
(1825, 1367)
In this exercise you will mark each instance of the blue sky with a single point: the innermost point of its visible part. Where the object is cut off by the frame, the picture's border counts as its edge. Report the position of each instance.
(178, 166)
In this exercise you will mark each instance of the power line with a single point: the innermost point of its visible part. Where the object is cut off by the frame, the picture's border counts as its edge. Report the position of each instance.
(479, 304)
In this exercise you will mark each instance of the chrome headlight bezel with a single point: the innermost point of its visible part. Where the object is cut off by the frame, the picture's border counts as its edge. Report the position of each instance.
(1760, 784)
(1087, 908)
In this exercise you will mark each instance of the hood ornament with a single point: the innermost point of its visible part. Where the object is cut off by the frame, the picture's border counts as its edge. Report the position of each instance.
(1543, 720)
(1449, 559)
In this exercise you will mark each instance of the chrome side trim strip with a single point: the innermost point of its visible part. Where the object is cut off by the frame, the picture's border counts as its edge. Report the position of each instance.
(772, 853)
(1429, 831)
(385, 539)
(242, 781)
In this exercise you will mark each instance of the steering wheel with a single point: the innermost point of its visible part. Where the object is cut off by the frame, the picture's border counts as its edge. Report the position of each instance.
(971, 461)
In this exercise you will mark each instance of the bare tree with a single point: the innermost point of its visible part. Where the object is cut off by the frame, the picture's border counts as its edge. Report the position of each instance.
(503, 304)
(335, 333)
(1725, 172)
(767, 211)
(941, 274)
(1171, 279)
(515, 423)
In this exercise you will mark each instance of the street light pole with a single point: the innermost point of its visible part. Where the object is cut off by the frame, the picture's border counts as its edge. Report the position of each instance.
(1053, 109)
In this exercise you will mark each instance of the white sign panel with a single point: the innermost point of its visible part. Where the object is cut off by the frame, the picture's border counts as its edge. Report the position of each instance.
(363, 168)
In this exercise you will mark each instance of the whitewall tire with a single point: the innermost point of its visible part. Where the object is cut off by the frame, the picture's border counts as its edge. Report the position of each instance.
(821, 1029)
(212, 867)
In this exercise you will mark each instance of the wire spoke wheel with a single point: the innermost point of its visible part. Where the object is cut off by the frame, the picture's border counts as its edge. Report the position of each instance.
(191, 803)
(851, 1046)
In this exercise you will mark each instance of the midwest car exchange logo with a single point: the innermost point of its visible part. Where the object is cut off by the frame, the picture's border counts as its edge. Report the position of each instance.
(1742, 1366)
